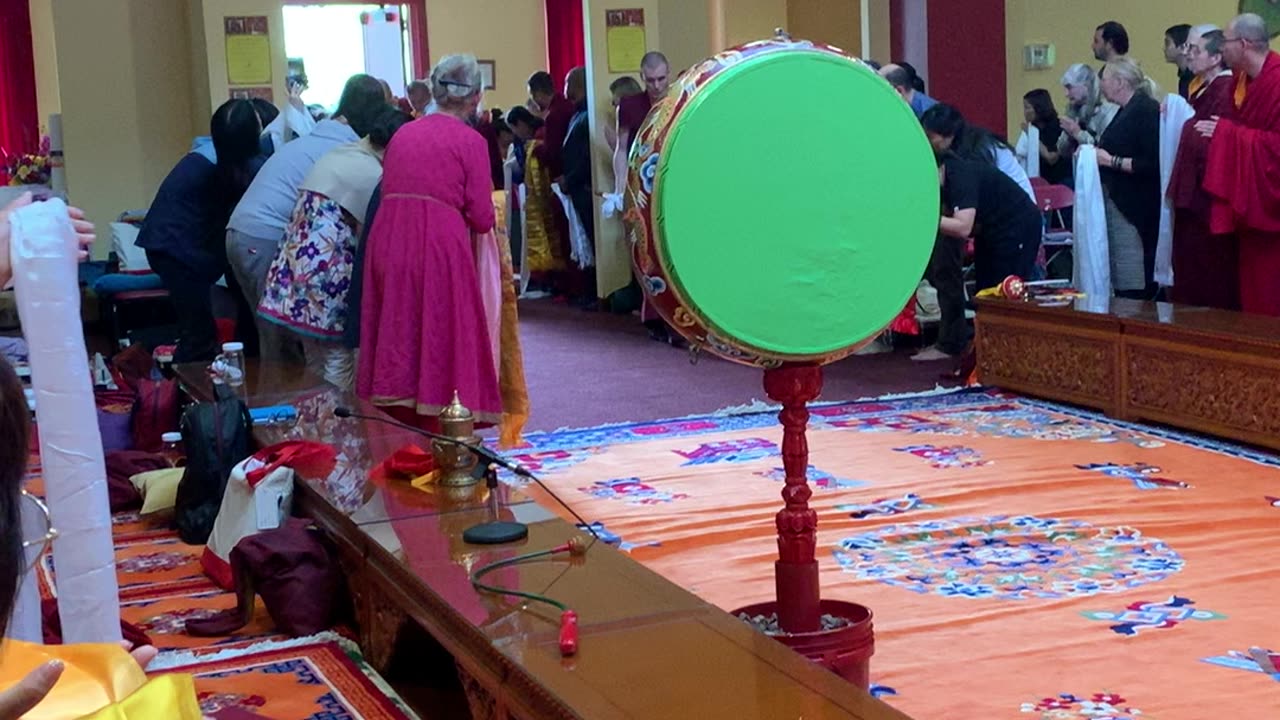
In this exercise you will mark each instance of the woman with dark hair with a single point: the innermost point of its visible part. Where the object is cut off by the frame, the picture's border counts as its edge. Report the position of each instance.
(258, 223)
(306, 290)
(1038, 111)
(948, 131)
(976, 171)
(182, 233)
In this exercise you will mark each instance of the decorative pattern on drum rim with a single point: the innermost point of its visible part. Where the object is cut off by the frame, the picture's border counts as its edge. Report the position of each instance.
(642, 194)
(1008, 558)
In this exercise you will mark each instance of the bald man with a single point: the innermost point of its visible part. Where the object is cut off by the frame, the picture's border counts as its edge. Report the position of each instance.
(1244, 160)
(655, 71)
(902, 81)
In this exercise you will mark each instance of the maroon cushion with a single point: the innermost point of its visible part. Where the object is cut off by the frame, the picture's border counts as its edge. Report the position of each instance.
(122, 465)
(292, 569)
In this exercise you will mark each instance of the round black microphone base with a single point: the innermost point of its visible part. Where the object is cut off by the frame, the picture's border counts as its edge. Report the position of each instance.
(496, 533)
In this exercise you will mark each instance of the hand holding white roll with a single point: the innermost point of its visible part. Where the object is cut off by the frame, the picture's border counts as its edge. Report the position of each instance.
(43, 242)
(83, 231)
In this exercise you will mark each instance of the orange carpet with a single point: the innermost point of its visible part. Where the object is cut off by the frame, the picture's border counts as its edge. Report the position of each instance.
(320, 678)
(255, 669)
(1022, 559)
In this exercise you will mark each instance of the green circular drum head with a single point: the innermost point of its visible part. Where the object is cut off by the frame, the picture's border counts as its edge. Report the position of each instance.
(797, 198)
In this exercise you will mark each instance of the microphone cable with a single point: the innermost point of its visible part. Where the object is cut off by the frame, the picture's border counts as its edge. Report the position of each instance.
(568, 641)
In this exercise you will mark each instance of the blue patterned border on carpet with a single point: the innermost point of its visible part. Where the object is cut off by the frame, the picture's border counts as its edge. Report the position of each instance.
(694, 425)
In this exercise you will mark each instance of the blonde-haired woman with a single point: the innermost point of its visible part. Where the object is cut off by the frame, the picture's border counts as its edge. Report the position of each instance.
(1088, 113)
(1129, 164)
(427, 322)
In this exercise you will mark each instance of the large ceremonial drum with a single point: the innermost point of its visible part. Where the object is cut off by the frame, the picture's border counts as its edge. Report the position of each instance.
(782, 204)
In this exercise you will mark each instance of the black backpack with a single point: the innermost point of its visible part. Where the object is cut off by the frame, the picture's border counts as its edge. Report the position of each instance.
(216, 436)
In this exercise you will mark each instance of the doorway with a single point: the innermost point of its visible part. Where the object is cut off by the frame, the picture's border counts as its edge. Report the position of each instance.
(331, 42)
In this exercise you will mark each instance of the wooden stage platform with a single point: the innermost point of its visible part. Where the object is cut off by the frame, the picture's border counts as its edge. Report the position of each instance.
(1209, 371)
(648, 648)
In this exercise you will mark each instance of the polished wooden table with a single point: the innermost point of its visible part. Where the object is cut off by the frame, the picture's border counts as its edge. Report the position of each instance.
(1199, 369)
(648, 648)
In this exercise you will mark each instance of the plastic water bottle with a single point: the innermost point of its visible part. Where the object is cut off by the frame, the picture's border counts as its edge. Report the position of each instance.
(172, 449)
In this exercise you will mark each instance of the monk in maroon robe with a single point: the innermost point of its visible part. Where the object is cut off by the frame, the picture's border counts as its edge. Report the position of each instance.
(557, 114)
(1206, 266)
(632, 111)
(1243, 169)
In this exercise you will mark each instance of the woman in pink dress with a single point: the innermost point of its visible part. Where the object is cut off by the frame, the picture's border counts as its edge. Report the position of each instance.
(424, 331)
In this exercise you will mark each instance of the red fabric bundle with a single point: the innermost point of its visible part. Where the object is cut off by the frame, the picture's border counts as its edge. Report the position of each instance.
(409, 462)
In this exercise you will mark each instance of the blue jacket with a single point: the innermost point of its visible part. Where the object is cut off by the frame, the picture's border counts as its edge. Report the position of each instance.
(186, 220)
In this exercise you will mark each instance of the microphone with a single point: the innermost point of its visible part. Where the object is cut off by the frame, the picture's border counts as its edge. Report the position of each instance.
(495, 532)
(489, 456)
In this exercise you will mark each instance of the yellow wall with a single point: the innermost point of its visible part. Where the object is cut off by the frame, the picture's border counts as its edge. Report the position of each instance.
(46, 59)
(834, 22)
(125, 95)
(216, 43)
(878, 21)
(509, 32)
(747, 20)
(202, 102)
(1070, 26)
(685, 29)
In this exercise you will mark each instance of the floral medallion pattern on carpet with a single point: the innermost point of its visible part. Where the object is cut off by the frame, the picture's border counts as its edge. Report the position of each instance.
(1008, 558)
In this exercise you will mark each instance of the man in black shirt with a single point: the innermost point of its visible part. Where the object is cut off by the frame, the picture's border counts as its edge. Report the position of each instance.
(980, 202)
(990, 207)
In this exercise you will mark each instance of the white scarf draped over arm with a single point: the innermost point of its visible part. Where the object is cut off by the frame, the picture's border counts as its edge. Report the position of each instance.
(1091, 248)
(1177, 112)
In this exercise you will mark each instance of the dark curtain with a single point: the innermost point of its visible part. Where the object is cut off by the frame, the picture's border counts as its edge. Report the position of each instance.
(566, 44)
(419, 49)
(19, 119)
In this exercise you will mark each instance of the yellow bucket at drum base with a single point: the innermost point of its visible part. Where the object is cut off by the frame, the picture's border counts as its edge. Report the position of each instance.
(767, 228)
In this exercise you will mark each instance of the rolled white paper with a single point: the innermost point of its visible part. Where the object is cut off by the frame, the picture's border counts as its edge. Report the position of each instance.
(43, 252)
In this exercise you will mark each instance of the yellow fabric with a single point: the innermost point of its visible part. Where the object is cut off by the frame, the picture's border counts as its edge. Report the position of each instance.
(1197, 82)
(172, 697)
(99, 682)
(543, 252)
(159, 489)
(511, 380)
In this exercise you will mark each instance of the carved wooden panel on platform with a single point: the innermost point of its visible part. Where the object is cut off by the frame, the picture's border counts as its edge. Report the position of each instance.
(1218, 393)
(1076, 366)
(1209, 371)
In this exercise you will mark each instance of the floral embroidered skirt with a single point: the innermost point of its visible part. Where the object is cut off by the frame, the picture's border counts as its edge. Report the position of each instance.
(307, 284)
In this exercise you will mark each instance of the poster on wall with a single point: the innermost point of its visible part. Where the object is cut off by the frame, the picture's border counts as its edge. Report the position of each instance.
(248, 50)
(624, 36)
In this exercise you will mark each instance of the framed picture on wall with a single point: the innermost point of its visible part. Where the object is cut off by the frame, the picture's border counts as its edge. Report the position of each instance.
(488, 74)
